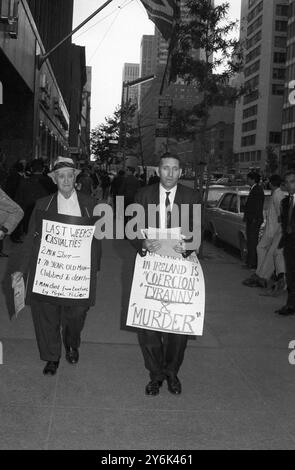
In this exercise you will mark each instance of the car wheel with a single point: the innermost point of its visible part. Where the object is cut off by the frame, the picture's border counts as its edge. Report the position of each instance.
(243, 248)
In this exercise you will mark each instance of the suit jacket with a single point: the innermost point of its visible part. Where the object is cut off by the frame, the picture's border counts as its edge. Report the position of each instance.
(285, 220)
(254, 205)
(32, 240)
(151, 195)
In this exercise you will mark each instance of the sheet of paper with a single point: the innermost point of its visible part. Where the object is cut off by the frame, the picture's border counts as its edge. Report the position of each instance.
(169, 237)
(19, 296)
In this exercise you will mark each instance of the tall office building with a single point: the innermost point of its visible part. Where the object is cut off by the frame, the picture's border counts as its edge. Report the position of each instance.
(258, 115)
(54, 20)
(147, 64)
(288, 126)
(130, 73)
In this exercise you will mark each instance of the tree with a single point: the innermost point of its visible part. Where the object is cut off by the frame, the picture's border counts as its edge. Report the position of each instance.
(206, 28)
(103, 134)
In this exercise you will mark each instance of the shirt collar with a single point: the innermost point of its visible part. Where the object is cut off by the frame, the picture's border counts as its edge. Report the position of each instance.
(72, 197)
(172, 191)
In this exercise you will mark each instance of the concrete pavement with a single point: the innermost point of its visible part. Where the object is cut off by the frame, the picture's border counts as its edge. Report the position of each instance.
(238, 386)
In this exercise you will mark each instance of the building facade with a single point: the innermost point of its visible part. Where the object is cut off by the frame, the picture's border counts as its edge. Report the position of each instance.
(85, 116)
(35, 117)
(288, 124)
(130, 73)
(147, 64)
(258, 114)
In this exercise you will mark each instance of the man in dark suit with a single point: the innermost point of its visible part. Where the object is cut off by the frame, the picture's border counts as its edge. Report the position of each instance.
(164, 352)
(50, 313)
(253, 216)
(288, 242)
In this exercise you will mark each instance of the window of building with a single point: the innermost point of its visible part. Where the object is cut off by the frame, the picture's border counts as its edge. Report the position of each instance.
(279, 74)
(278, 89)
(275, 137)
(258, 155)
(252, 68)
(282, 10)
(281, 25)
(251, 3)
(281, 41)
(279, 57)
(251, 97)
(254, 26)
(247, 156)
(254, 40)
(253, 54)
(253, 156)
(253, 13)
(253, 82)
(248, 140)
(249, 126)
(289, 115)
(249, 112)
(242, 157)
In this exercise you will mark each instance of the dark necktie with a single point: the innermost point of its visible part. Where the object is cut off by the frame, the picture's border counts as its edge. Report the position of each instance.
(168, 210)
(290, 213)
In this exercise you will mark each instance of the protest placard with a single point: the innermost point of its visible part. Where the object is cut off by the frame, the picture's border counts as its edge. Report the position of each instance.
(64, 261)
(167, 295)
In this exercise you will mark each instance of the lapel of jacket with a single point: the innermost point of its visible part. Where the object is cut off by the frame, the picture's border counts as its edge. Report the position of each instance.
(154, 198)
(83, 207)
(51, 206)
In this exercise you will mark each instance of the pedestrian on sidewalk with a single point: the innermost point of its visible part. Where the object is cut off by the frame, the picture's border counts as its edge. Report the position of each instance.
(271, 263)
(288, 241)
(253, 216)
(163, 353)
(51, 313)
(10, 216)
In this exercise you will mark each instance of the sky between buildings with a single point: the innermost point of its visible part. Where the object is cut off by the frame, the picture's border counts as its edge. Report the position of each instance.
(112, 38)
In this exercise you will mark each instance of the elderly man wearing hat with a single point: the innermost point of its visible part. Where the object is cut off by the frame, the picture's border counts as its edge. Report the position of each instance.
(53, 314)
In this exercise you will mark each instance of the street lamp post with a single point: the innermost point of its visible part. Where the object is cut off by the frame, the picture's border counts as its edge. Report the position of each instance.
(123, 122)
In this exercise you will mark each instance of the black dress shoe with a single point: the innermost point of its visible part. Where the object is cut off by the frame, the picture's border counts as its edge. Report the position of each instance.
(51, 368)
(153, 387)
(72, 356)
(286, 310)
(174, 385)
(3, 255)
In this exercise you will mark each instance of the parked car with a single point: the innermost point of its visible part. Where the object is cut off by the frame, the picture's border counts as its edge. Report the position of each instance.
(214, 194)
(225, 220)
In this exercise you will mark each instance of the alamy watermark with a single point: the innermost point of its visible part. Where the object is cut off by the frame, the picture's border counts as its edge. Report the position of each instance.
(291, 357)
(130, 221)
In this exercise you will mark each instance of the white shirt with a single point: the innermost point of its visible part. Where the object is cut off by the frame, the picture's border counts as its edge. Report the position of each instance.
(68, 206)
(163, 195)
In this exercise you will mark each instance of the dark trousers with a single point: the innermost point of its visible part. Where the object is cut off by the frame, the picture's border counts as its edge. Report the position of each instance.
(252, 233)
(53, 324)
(289, 255)
(163, 353)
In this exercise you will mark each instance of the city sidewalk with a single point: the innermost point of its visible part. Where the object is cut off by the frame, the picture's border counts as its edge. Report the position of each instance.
(238, 386)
